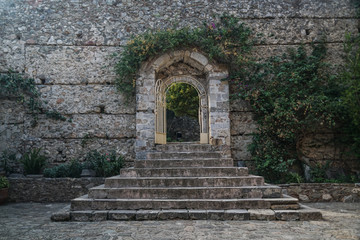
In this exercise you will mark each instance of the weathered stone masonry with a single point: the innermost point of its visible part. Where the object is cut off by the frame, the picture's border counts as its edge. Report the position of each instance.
(67, 46)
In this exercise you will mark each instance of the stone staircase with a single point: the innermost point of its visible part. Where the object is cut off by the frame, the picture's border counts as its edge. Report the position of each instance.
(186, 181)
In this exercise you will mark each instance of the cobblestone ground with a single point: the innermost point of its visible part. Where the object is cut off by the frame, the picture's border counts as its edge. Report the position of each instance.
(32, 221)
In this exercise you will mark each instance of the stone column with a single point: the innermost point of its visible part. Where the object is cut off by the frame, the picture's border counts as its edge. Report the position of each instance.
(145, 115)
(219, 109)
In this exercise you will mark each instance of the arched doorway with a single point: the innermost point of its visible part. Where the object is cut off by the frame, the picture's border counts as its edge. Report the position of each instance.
(160, 111)
(189, 67)
(182, 114)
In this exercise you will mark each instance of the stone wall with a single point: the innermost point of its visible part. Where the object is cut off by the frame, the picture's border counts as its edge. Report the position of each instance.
(323, 192)
(66, 189)
(67, 47)
(50, 189)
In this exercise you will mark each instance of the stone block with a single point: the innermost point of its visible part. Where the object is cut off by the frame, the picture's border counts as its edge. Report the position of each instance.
(161, 62)
(326, 197)
(236, 215)
(287, 215)
(142, 215)
(216, 214)
(59, 150)
(122, 215)
(197, 214)
(310, 215)
(99, 216)
(285, 206)
(12, 54)
(81, 216)
(262, 214)
(199, 58)
(83, 126)
(334, 51)
(173, 214)
(11, 112)
(82, 99)
(62, 215)
(298, 30)
(71, 64)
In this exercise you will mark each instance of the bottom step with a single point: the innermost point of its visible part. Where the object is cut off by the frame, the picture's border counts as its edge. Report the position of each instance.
(302, 214)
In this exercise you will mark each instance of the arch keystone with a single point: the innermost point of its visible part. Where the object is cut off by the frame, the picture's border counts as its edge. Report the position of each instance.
(161, 62)
(199, 58)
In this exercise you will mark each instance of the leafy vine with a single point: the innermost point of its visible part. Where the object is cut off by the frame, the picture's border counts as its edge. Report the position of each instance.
(226, 41)
(290, 94)
(24, 90)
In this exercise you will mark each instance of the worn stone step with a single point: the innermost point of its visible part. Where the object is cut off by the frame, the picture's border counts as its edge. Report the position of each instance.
(303, 214)
(170, 163)
(184, 147)
(175, 214)
(186, 192)
(85, 203)
(183, 155)
(184, 172)
(118, 181)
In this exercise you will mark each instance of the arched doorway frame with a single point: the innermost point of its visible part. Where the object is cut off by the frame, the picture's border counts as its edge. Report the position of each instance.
(217, 99)
(160, 111)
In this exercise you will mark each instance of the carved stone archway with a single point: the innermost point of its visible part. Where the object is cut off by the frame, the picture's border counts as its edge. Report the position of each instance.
(161, 86)
(207, 79)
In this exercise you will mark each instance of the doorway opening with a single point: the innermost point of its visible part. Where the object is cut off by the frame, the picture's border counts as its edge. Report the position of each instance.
(182, 113)
(164, 87)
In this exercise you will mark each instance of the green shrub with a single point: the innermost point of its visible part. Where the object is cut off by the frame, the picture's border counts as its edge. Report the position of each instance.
(350, 99)
(7, 162)
(104, 165)
(33, 161)
(4, 182)
(72, 169)
(291, 95)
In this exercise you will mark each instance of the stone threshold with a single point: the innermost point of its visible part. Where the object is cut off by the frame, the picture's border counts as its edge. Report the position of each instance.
(303, 214)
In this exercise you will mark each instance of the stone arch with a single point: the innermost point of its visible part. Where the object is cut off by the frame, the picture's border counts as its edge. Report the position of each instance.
(160, 111)
(215, 97)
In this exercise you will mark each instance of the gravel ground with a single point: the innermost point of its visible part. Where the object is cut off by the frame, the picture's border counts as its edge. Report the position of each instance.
(32, 221)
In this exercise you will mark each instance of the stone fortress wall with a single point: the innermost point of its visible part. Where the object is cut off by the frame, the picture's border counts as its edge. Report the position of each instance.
(67, 47)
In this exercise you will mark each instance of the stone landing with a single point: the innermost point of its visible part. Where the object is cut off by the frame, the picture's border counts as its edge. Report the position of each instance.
(185, 181)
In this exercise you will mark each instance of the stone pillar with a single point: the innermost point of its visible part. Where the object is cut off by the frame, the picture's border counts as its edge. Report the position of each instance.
(219, 119)
(145, 115)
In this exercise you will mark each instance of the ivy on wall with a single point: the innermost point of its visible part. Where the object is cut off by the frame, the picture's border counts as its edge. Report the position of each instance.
(291, 95)
(24, 90)
(350, 99)
(226, 41)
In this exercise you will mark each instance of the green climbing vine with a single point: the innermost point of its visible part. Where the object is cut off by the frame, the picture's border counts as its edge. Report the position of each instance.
(23, 89)
(291, 95)
(226, 41)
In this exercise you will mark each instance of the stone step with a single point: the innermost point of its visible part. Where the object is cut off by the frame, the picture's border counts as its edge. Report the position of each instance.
(185, 172)
(184, 147)
(186, 193)
(183, 155)
(302, 214)
(170, 163)
(85, 203)
(118, 181)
